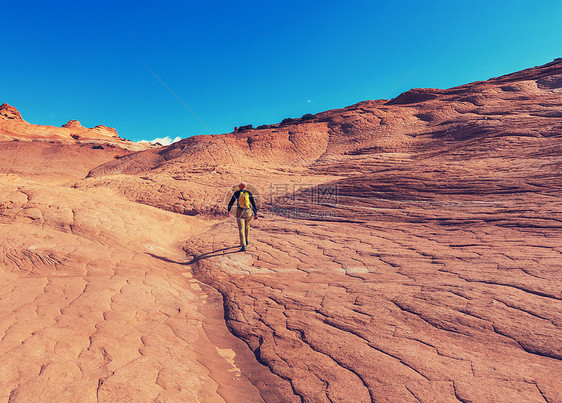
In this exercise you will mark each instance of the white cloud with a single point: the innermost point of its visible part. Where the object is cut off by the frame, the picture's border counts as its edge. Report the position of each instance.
(165, 141)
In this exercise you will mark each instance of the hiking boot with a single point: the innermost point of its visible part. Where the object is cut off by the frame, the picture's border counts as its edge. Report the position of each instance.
(243, 249)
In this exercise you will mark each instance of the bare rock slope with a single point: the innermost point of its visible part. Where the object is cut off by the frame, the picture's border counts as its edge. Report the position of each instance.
(407, 250)
(14, 128)
(95, 306)
(410, 250)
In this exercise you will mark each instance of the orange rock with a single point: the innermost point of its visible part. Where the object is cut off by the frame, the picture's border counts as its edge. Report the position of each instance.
(72, 123)
(9, 112)
(14, 128)
(407, 250)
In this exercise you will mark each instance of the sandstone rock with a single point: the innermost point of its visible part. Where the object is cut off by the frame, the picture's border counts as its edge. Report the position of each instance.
(13, 127)
(72, 123)
(9, 112)
(91, 308)
(406, 251)
(104, 129)
(414, 96)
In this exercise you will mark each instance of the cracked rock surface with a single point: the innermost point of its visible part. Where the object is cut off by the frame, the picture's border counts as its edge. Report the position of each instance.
(96, 305)
(406, 250)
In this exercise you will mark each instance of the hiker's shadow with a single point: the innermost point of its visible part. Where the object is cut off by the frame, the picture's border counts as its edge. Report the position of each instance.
(196, 258)
(218, 252)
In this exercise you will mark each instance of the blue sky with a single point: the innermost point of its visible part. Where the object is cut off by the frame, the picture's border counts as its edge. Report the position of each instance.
(252, 62)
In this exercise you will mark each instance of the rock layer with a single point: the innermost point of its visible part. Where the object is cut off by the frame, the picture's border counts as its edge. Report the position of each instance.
(96, 303)
(9, 112)
(14, 128)
(407, 250)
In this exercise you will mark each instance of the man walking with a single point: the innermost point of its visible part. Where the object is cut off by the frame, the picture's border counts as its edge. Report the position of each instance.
(245, 209)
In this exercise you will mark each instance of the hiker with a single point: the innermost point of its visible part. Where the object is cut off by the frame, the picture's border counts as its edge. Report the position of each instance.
(245, 209)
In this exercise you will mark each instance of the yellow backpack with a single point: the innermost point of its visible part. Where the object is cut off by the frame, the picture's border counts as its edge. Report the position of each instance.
(244, 199)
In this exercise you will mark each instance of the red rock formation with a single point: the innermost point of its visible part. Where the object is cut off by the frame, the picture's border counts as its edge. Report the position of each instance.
(72, 123)
(415, 96)
(9, 112)
(13, 127)
(104, 129)
(502, 110)
(407, 250)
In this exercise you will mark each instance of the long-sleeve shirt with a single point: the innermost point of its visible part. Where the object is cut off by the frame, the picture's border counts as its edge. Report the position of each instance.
(236, 196)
